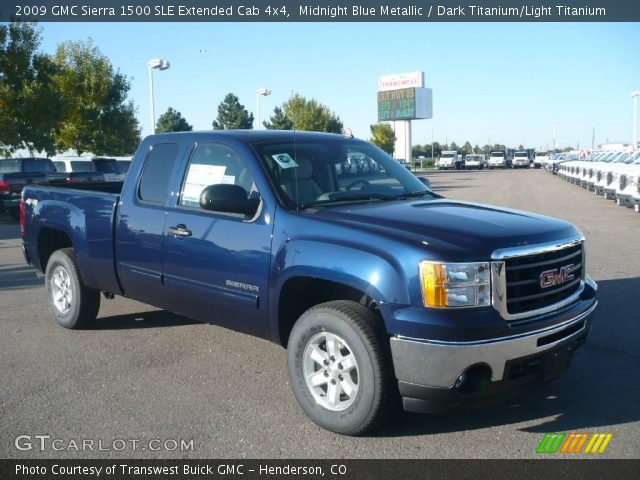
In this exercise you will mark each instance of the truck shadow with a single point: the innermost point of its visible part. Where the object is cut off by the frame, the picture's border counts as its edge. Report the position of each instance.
(600, 389)
(15, 277)
(150, 319)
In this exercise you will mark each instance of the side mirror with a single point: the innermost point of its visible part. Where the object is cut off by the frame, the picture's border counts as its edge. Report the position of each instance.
(425, 181)
(228, 198)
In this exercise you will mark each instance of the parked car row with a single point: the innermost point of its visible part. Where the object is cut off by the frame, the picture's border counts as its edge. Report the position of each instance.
(79, 172)
(497, 159)
(614, 175)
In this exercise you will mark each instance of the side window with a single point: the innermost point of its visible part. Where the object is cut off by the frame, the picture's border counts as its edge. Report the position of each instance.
(154, 183)
(212, 164)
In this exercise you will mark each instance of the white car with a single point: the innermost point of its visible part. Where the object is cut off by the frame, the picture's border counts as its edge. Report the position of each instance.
(521, 160)
(447, 160)
(540, 160)
(628, 165)
(497, 160)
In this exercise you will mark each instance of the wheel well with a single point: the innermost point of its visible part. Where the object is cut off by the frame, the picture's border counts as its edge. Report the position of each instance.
(299, 294)
(50, 240)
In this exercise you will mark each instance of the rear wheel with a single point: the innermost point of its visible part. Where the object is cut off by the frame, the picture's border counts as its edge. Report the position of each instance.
(339, 367)
(72, 304)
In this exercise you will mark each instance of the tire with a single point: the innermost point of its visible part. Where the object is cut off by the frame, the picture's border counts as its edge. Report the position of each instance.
(78, 307)
(359, 336)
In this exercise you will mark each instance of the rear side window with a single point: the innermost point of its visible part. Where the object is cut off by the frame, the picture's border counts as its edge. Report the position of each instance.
(82, 166)
(154, 183)
(38, 165)
(10, 166)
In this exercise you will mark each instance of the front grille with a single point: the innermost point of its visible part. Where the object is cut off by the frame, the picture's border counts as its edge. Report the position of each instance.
(609, 177)
(599, 176)
(623, 182)
(523, 278)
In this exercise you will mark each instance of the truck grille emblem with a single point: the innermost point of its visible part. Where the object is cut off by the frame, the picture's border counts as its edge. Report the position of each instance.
(557, 276)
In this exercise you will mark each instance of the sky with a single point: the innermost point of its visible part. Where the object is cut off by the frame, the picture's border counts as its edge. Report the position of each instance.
(501, 83)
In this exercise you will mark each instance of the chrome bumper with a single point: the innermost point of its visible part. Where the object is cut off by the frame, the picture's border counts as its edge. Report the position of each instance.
(438, 364)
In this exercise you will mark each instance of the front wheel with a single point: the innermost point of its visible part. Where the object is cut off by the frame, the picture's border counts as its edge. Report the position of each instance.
(339, 367)
(72, 304)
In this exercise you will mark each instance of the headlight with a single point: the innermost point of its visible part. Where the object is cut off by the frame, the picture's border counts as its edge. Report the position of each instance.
(455, 284)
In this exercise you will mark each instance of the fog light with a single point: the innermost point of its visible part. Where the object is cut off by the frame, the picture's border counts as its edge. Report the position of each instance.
(473, 378)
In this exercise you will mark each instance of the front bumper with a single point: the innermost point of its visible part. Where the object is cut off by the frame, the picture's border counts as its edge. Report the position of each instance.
(430, 372)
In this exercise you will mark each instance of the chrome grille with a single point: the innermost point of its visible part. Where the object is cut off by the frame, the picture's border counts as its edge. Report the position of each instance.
(533, 280)
(523, 275)
(623, 182)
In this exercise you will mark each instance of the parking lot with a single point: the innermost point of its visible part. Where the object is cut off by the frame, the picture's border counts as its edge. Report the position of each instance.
(141, 373)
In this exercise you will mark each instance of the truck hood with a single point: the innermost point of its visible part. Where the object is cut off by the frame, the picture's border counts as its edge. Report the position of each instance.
(454, 230)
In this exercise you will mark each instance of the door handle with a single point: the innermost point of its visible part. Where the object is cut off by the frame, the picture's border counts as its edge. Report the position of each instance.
(180, 230)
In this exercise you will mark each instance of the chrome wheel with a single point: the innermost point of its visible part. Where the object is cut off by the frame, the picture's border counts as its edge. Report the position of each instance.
(61, 290)
(330, 371)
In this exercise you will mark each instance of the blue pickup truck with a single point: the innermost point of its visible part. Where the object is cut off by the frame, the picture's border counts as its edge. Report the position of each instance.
(380, 289)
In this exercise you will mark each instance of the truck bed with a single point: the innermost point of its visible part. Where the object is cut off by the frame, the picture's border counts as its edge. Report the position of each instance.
(85, 217)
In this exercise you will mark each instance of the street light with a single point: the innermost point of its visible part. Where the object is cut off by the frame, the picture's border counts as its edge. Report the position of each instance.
(153, 64)
(635, 96)
(260, 92)
(554, 137)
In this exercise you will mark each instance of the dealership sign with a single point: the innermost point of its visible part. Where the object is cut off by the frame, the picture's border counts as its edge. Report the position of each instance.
(400, 80)
(405, 104)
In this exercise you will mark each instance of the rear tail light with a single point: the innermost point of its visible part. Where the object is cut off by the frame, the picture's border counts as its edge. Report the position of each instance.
(23, 223)
(69, 179)
(5, 186)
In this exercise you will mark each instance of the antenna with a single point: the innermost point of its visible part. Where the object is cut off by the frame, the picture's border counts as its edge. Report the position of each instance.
(295, 173)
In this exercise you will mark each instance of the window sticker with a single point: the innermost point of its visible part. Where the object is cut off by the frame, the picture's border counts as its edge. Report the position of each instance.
(199, 177)
(284, 160)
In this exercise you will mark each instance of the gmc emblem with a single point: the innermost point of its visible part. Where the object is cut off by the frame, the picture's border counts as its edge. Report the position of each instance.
(557, 276)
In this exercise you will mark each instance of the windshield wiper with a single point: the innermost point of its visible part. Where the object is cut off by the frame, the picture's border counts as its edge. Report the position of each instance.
(367, 196)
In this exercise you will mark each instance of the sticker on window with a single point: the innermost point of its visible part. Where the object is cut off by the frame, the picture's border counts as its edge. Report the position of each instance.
(284, 160)
(199, 177)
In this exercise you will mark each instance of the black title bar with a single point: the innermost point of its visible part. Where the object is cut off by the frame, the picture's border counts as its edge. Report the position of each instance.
(319, 11)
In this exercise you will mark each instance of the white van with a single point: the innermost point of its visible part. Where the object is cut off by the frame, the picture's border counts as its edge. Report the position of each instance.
(497, 160)
(447, 160)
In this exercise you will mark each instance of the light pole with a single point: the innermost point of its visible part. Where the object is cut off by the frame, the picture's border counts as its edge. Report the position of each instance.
(554, 136)
(155, 63)
(635, 96)
(260, 92)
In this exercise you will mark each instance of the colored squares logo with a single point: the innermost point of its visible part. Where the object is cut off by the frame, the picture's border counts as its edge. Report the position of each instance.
(573, 443)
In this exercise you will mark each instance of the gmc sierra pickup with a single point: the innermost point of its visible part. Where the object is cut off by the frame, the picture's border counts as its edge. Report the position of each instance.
(379, 288)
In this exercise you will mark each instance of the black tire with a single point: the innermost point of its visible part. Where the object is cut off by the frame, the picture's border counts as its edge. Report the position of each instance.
(84, 302)
(367, 340)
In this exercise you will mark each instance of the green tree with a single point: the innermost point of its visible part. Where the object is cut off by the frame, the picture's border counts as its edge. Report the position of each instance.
(29, 104)
(311, 115)
(278, 121)
(96, 115)
(232, 115)
(383, 137)
(454, 146)
(466, 148)
(172, 121)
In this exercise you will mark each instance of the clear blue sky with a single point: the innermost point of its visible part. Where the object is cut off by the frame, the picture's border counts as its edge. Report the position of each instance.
(504, 82)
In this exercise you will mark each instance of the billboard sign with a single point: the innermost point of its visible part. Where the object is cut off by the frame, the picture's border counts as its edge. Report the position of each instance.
(405, 104)
(400, 80)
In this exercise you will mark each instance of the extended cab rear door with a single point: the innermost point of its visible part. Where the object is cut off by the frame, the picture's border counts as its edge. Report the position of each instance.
(216, 265)
(141, 223)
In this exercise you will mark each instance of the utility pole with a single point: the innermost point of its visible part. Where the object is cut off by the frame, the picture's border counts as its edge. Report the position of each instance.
(593, 139)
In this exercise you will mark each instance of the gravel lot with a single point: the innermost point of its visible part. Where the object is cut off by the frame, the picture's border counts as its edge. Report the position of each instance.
(147, 374)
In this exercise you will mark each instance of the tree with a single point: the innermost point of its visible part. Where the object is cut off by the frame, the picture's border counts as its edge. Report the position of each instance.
(278, 121)
(311, 115)
(29, 105)
(383, 137)
(467, 148)
(232, 115)
(172, 121)
(95, 113)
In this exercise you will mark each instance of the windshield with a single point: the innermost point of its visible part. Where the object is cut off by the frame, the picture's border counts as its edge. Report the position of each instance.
(314, 173)
(522, 154)
(449, 155)
(105, 165)
(473, 158)
(82, 166)
(497, 154)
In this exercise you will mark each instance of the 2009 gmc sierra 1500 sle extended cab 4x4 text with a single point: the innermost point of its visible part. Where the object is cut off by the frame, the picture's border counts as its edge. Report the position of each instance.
(379, 288)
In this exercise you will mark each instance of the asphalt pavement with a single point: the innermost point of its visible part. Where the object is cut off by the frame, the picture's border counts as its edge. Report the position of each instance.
(143, 374)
